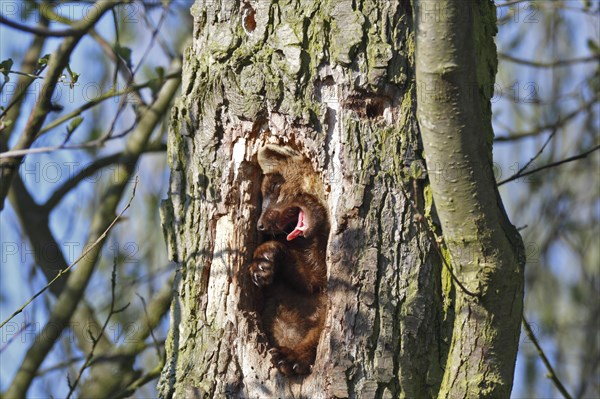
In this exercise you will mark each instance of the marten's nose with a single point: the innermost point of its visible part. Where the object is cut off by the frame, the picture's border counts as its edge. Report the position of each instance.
(260, 226)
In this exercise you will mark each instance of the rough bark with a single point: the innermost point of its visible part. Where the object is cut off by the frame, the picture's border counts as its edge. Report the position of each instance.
(336, 80)
(486, 251)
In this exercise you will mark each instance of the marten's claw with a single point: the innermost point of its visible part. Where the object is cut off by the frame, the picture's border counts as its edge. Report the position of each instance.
(261, 272)
(301, 368)
(288, 362)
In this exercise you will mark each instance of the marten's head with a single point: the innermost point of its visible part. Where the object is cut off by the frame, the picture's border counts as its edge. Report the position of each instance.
(291, 195)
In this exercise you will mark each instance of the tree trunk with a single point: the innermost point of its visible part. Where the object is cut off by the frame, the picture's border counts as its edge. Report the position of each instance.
(486, 252)
(335, 80)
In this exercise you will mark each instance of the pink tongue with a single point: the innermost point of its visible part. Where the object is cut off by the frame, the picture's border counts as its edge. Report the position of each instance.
(299, 229)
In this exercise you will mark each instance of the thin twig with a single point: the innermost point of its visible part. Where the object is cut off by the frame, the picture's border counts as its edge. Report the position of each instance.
(30, 64)
(551, 165)
(520, 171)
(157, 346)
(38, 30)
(511, 3)
(67, 302)
(551, 373)
(87, 250)
(103, 385)
(117, 45)
(549, 4)
(108, 49)
(43, 106)
(29, 75)
(512, 136)
(22, 87)
(90, 144)
(148, 23)
(122, 103)
(436, 245)
(89, 170)
(17, 334)
(95, 340)
(151, 375)
(110, 94)
(101, 358)
(153, 38)
(550, 64)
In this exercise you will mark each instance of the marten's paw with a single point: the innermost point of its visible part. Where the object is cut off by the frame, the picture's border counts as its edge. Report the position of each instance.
(288, 362)
(262, 272)
(266, 257)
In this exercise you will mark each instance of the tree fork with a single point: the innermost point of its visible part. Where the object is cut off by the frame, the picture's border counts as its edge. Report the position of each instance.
(455, 64)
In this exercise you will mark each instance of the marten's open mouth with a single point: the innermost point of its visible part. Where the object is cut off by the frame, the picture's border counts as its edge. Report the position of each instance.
(293, 219)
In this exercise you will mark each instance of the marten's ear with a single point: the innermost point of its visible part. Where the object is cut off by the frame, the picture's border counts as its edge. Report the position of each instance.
(272, 158)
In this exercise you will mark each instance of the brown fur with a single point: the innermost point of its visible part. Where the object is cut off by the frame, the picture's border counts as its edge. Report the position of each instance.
(292, 274)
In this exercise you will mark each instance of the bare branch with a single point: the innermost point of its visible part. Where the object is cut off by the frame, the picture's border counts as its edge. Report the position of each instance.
(151, 375)
(77, 112)
(34, 221)
(148, 23)
(100, 358)
(84, 253)
(551, 373)
(24, 326)
(107, 48)
(102, 384)
(43, 106)
(88, 171)
(153, 38)
(132, 88)
(551, 165)
(68, 301)
(29, 75)
(40, 31)
(121, 107)
(551, 64)
(511, 3)
(151, 330)
(111, 313)
(30, 65)
(549, 4)
(521, 170)
(512, 136)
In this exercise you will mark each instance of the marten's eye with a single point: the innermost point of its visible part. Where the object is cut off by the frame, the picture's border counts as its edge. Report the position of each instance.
(275, 186)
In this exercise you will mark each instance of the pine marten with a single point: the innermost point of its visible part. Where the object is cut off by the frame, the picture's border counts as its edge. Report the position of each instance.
(290, 267)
